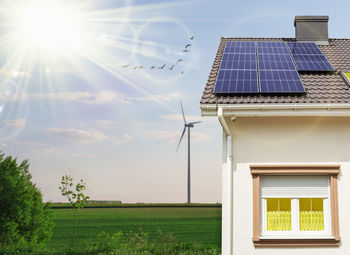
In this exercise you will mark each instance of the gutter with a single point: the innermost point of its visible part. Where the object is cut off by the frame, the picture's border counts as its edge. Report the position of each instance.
(223, 121)
(276, 109)
(227, 183)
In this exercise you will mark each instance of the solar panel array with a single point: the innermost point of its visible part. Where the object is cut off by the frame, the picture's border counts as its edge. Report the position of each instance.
(238, 69)
(267, 67)
(276, 69)
(308, 57)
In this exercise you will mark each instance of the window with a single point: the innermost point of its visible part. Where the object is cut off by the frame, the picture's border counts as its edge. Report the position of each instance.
(346, 76)
(295, 205)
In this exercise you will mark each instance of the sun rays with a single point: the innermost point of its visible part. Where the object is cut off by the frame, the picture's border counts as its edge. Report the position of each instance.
(39, 36)
(44, 43)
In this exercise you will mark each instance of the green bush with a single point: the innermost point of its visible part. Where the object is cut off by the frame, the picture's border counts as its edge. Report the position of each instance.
(25, 249)
(24, 218)
(142, 244)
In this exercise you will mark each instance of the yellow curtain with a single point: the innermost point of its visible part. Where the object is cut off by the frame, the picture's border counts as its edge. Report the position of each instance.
(311, 221)
(279, 221)
(311, 215)
(279, 215)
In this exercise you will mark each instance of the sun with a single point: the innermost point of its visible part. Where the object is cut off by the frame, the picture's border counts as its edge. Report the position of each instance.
(44, 42)
(46, 25)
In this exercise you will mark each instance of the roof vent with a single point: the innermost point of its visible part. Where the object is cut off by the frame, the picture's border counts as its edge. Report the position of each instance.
(311, 29)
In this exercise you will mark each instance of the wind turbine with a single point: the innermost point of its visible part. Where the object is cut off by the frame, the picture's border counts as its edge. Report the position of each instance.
(188, 126)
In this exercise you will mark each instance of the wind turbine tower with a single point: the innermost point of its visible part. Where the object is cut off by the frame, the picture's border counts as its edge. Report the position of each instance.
(188, 126)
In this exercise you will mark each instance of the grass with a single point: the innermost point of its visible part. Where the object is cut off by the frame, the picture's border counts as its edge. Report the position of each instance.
(200, 225)
(120, 205)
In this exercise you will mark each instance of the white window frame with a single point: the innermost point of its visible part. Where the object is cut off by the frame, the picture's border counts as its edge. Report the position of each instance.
(295, 232)
(345, 77)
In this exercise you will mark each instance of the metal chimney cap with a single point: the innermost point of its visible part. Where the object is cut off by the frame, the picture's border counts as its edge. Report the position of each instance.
(311, 29)
(311, 19)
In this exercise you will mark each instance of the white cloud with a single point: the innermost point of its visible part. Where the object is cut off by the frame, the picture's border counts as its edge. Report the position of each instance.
(13, 73)
(105, 123)
(173, 136)
(45, 149)
(14, 123)
(41, 148)
(128, 137)
(160, 97)
(85, 136)
(199, 136)
(81, 155)
(189, 118)
(116, 140)
(28, 143)
(77, 135)
(170, 136)
(101, 97)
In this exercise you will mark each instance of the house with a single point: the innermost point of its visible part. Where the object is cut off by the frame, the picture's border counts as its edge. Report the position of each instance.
(285, 115)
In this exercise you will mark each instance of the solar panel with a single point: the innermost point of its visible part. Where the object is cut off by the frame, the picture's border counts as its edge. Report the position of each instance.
(239, 47)
(237, 81)
(277, 73)
(280, 81)
(275, 62)
(238, 61)
(238, 69)
(308, 57)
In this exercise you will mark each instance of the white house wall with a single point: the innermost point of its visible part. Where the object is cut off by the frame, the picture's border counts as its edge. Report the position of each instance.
(287, 140)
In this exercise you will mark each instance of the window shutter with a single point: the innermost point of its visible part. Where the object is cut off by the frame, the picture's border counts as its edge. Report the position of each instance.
(294, 186)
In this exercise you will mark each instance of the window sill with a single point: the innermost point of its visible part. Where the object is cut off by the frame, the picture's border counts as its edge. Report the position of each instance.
(297, 237)
(296, 242)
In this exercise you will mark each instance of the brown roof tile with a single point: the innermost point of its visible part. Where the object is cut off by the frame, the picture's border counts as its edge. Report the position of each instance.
(321, 87)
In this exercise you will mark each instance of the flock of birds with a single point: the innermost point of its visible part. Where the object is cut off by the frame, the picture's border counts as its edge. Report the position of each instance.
(186, 49)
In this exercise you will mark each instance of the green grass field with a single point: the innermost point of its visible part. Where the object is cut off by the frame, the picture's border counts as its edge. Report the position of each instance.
(195, 224)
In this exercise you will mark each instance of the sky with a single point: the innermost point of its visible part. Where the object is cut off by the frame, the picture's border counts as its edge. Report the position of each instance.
(69, 107)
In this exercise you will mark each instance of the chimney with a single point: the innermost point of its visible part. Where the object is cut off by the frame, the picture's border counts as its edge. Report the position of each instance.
(311, 29)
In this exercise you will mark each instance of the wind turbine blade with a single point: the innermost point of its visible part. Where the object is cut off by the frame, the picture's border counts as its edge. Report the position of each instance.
(182, 110)
(196, 122)
(183, 133)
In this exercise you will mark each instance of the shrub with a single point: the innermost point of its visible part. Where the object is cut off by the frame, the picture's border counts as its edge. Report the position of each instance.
(142, 244)
(25, 249)
(24, 218)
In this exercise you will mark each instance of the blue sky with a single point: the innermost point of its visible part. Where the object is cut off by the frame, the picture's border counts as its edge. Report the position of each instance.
(70, 108)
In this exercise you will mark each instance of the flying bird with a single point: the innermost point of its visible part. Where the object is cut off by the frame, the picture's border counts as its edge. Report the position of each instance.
(184, 50)
(171, 68)
(152, 67)
(140, 67)
(178, 61)
(188, 45)
(161, 67)
(126, 66)
(182, 72)
(136, 67)
(192, 37)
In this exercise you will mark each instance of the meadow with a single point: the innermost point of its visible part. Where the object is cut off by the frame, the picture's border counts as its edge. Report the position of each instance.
(196, 224)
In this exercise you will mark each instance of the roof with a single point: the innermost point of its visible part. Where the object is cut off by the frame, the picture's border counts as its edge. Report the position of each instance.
(322, 87)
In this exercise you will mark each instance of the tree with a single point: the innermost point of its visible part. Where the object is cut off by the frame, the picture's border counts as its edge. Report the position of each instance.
(76, 198)
(23, 215)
